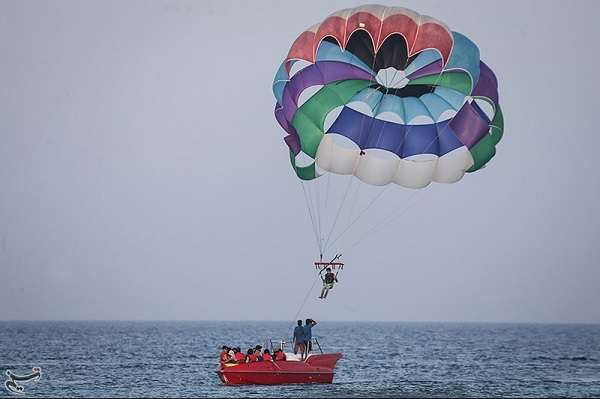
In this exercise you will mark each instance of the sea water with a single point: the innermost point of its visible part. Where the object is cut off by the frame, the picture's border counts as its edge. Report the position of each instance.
(176, 359)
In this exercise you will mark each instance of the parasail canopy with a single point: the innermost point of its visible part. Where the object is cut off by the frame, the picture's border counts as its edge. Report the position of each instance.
(389, 96)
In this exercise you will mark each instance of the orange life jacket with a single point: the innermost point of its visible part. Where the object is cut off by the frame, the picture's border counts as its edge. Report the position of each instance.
(252, 358)
(279, 356)
(239, 357)
(267, 357)
(224, 356)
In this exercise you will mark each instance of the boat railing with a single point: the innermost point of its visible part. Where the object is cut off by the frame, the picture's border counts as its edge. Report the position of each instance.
(316, 341)
(281, 344)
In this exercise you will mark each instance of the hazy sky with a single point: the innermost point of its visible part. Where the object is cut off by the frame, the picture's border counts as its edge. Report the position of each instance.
(143, 175)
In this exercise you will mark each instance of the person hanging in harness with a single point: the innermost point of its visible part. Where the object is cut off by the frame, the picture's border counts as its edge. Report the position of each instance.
(328, 281)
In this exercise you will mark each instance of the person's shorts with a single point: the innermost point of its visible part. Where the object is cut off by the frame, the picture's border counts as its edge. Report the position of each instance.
(328, 285)
(299, 347)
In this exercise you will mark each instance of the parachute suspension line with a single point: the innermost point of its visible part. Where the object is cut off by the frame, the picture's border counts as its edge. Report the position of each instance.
(355, 196)
(318, 201)
(383, 222)
(327, 189)
(391, 218)
(304, 302)
(385, 189)
(328, 245)
(386, 221)
(373, 201)
(310, 213)
(339, 210)
(325, 210)
(319, 210)
(312, 210)
(328, 237)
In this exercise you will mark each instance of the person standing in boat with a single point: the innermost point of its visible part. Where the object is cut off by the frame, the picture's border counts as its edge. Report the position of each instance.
(309, 324)
(299, 340)
(328, 280)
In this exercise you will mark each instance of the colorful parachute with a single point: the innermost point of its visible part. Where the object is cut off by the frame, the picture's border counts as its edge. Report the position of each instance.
(389, 96)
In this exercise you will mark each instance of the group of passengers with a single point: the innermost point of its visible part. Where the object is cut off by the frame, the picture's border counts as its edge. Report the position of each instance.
(302, 343)
(235, 356)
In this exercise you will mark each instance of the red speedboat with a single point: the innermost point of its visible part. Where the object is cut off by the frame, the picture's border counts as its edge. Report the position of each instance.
(316, 369)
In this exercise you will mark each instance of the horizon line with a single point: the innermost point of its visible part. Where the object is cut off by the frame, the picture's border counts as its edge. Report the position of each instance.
(323, 321)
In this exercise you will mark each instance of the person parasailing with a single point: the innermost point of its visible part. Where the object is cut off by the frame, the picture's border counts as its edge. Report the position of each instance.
(328, 281)
(330, 278)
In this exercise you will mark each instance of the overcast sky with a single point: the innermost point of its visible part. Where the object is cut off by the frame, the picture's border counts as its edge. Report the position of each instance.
(143, 175)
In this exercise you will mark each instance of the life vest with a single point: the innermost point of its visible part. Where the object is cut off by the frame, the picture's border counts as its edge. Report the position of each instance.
(267, 357)
(224, 356)
(329, 278)
(239, 357)
(280, 356)
(252, 358)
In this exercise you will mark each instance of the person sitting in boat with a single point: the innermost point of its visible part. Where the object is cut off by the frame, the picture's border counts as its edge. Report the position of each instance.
(328, 280)
(309, 324)
(267, 356)
(279, 355)
(251, 356)
(224, 357)
(257, 352)
(299, 340)
(238, 355)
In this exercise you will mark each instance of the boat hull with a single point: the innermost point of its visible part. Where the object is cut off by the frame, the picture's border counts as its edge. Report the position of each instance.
(317, 369)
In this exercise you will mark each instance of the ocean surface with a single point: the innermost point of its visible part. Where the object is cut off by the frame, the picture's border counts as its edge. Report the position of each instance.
(178, 359)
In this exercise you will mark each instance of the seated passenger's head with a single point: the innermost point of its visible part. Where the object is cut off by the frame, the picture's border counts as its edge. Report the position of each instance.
(225, 347)
(250, 351)
(266, 351)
